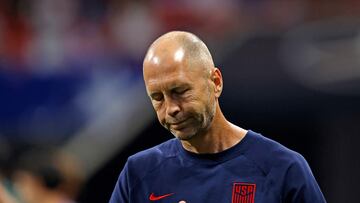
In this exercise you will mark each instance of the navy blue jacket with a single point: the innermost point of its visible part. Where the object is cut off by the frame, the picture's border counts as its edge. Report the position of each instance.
(256, 170)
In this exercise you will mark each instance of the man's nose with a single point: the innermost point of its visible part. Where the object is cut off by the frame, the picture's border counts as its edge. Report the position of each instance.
(172, 107)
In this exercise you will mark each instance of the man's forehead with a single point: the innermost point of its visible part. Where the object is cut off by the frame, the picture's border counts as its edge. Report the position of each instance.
(168, 81)
(165, 63)
(163, 69)
(171, 74)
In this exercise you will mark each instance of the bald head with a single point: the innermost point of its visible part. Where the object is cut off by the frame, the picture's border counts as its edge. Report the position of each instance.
(182, 83)
(179, 47)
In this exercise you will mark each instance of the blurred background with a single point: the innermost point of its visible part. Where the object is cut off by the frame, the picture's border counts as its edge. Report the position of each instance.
(73, 104)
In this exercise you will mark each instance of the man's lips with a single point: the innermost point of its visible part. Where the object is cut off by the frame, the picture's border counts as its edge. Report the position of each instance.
(178, 125)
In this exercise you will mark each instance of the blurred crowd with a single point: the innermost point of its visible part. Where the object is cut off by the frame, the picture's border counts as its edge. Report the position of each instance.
(47, 36)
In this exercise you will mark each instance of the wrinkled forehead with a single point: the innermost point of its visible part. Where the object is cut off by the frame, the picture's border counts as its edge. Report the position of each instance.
(169, 74)
(170, 79)
(161, 69)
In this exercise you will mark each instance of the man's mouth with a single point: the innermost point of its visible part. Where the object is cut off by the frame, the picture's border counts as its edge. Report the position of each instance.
(178, 125)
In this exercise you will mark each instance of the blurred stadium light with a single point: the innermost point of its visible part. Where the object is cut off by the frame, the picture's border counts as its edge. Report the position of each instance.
(325, 55)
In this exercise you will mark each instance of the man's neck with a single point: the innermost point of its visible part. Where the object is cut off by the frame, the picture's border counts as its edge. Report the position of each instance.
(220, 136)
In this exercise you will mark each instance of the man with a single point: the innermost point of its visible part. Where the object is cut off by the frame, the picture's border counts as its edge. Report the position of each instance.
(211, 159)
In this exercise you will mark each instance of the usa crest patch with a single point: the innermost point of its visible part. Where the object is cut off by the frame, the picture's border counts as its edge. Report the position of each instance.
(243, 193)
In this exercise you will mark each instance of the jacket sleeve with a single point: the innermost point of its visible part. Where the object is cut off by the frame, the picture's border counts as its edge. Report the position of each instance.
(300, 184)
(121, 190)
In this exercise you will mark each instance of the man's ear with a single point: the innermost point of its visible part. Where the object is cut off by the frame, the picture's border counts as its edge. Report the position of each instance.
(216, 77)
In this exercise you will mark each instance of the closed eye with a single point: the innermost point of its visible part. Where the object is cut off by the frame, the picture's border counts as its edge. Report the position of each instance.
(180, 91)
(156, 96)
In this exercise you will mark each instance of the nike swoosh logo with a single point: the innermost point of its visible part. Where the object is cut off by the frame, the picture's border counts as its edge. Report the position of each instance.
(154, 198)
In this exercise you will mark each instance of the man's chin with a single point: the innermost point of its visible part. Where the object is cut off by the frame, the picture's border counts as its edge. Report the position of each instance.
(185, 136)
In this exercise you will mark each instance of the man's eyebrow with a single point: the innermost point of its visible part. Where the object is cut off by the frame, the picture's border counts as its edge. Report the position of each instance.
(179, 85)
(170, 88)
